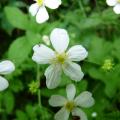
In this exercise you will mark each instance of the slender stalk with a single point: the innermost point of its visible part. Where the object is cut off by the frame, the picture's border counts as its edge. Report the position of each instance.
(0, 107)
(97, 6)
(38, 80)
(39, 98)
(82, 8)
(92, 63)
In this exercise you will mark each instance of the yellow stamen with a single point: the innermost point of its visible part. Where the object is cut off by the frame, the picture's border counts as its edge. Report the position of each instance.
(69, 106)
(118, 1)
(40, 2)
(61, 58)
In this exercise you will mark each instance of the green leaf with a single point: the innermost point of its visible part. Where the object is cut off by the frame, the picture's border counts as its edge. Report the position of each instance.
(9, 101)
(99, 50)
(17, 18)
(110, 79)
(33, 38)
(21, 115)
(19, 50)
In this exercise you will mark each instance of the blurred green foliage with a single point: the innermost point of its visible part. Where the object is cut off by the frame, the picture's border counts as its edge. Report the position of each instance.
(90, 23)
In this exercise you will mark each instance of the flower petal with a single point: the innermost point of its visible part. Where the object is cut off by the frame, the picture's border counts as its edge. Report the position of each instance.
(71, 91)
(6, 67)
(57, 100)
(62, 114)
(111, 2)
(117, 9)
(59, 39)
(53, 76)
(33, 9)
(78, 112)
(53, 4)
(85, 99)
(77, 53)
(3, 83)
(73, 70)
(42, 15)
(42, 54)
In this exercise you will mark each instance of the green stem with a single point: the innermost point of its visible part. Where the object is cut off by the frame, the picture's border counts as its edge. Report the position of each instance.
(92, 62)
(38, 80)
(82, 8)
(0, 107)
(97, 6)
(39, 98)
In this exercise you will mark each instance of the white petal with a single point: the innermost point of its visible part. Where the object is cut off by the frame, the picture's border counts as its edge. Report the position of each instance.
(53, 76)
(33, 9)
(57, 100)
(62, 114)
(117, 9)
(78, 112)
(59, 39)
(53, 4)
(85, 99)
(42, 54)
(3, 83)
(42, 15)
(6, 67)
(73, 70)
(111, 2)
(71, 91)
(77, 53)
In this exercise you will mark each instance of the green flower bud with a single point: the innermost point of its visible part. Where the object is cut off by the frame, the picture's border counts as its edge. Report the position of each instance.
(33, 87)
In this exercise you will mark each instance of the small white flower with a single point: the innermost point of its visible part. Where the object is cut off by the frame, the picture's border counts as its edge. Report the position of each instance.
(60, 59)
(72, 104)
(116, 4)
(6, 67)
(38, 9)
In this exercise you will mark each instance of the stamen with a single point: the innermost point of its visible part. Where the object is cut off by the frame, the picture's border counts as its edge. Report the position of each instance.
(40, 2)
(70, 105)
(61, 58)
(118, 1)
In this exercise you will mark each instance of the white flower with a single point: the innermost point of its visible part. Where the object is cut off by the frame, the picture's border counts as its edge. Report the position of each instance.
(72, 104)
(38, 9)
(60, 59)
(116, 4)
(6, 67)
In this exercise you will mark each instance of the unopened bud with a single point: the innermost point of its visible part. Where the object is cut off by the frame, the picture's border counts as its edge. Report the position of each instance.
(46, 40)
(94, 114)
(33, 87)
(108, 65)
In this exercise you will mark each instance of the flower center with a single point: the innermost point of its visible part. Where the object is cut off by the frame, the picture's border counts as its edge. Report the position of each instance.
(118, 1)
(61, 58)
(70, 105)
(40, 2)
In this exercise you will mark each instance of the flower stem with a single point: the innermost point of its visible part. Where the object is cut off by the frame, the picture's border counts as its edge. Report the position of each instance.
(38, 80)
(87, 61)
(97, 6)
(82, 8)
(39, 98)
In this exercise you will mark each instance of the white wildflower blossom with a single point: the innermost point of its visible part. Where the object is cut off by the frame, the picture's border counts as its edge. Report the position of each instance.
(60, 59)
(71, 104)
(6, 67)
(38, 9)
(116, 4)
